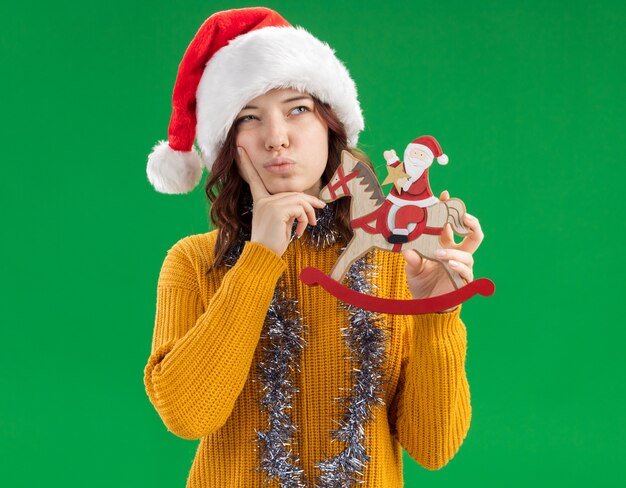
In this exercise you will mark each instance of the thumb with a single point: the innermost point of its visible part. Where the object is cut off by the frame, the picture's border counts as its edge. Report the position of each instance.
(414, 262)
(447, 236)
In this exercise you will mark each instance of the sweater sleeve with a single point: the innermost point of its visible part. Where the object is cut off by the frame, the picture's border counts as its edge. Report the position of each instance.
(201, 357)
(432, 405)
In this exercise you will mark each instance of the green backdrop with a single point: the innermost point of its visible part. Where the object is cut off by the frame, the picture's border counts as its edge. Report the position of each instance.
(526, 98)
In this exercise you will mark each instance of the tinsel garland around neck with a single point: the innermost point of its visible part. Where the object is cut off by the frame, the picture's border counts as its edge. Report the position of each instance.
(283, 339)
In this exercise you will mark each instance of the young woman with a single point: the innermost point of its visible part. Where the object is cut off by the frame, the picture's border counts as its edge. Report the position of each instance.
(282, 383)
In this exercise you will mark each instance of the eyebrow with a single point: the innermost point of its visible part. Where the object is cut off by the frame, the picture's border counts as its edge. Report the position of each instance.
(288, 100)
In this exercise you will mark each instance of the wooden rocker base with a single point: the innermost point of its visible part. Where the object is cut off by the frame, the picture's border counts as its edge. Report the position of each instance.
(482, 286)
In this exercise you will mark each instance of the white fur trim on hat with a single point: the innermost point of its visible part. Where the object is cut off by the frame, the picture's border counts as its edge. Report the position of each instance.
(443, 159)
(264, 59)
(172, 171)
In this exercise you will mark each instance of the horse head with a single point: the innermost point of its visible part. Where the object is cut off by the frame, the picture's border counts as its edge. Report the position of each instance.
(349, 176)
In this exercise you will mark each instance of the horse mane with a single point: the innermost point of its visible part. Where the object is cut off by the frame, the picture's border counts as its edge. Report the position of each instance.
(369, 179)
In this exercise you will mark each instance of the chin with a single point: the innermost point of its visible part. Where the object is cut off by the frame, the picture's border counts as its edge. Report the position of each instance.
(288, 187)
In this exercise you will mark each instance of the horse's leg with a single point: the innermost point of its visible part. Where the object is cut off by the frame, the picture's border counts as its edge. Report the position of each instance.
(455, 277)
(356, 248)
(439, 215)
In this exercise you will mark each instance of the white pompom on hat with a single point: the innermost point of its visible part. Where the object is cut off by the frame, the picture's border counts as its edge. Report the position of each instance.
(235, 56)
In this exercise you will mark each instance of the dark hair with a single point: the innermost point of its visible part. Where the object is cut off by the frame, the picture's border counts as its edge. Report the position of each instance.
(229, 195)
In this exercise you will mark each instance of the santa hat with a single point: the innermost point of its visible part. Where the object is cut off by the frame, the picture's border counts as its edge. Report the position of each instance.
(235, 56)
(430, 145)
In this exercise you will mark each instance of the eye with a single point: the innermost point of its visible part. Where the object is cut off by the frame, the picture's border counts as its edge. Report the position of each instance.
(300, 110)
(245, 118)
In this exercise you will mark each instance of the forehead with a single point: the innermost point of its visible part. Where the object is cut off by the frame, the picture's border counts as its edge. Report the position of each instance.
(277, 95)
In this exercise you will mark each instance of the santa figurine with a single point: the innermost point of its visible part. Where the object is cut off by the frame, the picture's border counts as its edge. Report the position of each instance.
(411, 194)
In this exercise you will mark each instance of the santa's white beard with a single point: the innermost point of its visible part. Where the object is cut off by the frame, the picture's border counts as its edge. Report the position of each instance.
(414, 167)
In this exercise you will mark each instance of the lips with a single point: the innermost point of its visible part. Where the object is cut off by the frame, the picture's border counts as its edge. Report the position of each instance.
(279, 165)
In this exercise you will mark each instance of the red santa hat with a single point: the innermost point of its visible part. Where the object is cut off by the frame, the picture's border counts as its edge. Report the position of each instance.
(430, 145)
(235, 56)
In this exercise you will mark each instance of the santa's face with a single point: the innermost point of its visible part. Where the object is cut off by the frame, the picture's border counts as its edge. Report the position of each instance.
(416, 160)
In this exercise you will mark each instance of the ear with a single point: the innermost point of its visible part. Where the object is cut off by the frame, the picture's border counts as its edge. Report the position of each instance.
(346, 157)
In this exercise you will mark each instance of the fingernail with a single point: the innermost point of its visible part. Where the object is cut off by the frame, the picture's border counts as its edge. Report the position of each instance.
(440, 253)
(453, 263)
(470, 217)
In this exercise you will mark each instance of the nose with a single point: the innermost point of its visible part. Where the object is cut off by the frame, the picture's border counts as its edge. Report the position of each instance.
(277, 134)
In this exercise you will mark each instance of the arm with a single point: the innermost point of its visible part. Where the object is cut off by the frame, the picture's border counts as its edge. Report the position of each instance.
(432, 408)
(391, 157)
(201, 358)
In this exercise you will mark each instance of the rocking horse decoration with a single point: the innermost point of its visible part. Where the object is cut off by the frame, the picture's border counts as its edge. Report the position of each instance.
(409, 217)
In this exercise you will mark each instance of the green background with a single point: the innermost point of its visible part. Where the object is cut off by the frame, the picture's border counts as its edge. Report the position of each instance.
(526, 98)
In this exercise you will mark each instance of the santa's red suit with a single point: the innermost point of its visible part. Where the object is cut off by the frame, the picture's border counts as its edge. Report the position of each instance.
(406, 209)
(408, 206)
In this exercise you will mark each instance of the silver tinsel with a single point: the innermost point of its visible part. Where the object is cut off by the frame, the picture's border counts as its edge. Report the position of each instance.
(365, 338)
(283, 335)
(283, 340)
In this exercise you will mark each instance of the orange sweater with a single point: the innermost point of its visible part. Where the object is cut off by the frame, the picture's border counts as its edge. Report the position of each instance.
(204, 349)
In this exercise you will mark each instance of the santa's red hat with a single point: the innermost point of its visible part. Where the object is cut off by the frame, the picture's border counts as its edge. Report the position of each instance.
(430, 145)
(235, 56)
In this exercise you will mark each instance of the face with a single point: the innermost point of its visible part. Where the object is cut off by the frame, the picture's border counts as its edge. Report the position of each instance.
(416, 160)
(286, 140)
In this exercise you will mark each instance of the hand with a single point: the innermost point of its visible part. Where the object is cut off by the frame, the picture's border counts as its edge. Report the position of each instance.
(390, 156)
(426, 277)
(273, 215)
